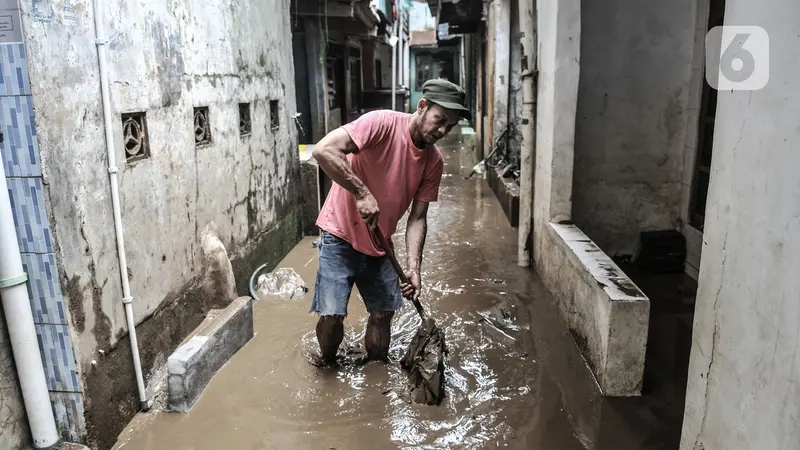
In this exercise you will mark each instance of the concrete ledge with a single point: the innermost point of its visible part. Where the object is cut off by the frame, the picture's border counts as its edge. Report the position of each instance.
(507, 193)
(607, 314)
(192, 366)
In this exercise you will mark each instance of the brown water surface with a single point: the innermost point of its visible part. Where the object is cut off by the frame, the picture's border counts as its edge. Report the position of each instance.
(514, 377)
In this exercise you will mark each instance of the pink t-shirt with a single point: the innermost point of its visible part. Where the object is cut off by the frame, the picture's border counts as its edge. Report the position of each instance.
(392, 168)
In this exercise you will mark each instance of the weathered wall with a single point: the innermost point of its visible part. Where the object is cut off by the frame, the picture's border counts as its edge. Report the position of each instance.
(694, 237)
(500, 41)
(632, 118)
(14, 431)
(558, 26)
(27, 190)
(742, 390)
(384, 53)
(164, 58)
(514, 89)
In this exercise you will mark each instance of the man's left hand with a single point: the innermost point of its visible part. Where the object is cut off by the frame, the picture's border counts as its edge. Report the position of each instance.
(412, 290)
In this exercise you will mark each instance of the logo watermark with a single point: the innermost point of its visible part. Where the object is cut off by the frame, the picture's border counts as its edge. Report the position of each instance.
(737, 58)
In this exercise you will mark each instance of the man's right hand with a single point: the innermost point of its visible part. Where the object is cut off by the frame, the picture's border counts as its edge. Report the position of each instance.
(368, 209)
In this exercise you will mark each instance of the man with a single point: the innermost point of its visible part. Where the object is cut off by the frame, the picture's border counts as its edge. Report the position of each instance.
(380, 164)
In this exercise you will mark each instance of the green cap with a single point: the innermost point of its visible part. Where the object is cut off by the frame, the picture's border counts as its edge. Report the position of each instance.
(447, 95)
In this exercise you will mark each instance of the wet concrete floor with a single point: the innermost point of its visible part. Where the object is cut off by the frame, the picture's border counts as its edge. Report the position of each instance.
(515, 378)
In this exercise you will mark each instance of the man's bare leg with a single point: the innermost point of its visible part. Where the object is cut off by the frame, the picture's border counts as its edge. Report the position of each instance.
(379, 333)
(330, 333)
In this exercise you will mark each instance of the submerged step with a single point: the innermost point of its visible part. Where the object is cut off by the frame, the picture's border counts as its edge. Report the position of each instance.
(192, 366)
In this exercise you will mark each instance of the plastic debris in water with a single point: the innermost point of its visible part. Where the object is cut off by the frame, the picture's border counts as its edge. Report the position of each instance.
(284, 282)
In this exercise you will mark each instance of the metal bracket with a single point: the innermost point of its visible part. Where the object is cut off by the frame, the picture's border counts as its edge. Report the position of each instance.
(127, 300)
(13, 281)
(297, 123)
(101, 42)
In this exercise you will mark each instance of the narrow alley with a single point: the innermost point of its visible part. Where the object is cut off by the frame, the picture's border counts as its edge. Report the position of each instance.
(514, 377)
(612, 257)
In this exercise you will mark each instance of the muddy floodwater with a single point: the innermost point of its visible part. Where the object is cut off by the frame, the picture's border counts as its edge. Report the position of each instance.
(514, 377)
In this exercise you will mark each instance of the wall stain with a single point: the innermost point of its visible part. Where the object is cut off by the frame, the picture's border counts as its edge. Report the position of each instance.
(169, 63)
(74, 294)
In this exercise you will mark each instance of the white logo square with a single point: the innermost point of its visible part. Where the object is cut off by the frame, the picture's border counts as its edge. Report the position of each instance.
(737, 58)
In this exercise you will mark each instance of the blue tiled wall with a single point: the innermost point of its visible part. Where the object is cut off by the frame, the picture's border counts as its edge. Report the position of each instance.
(20, 155)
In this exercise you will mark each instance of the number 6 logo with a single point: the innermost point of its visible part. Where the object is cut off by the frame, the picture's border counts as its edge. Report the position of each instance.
(737, 58)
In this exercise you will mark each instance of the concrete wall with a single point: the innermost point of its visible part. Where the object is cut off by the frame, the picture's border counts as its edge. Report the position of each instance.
(501, 32)
(694, 237)
(384, 53)
(607, 314)
(632, 118)
(559, 55)
(14, 431)
(27, 190)
(743, 391)
(514, 88)
(165, 59)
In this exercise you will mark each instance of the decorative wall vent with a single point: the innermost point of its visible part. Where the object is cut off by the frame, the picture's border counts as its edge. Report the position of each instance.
(245, 125)
(202, 126)
(274, 114)
(135, 139)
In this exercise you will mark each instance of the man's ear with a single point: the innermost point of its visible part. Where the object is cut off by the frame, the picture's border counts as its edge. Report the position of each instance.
(422, 105)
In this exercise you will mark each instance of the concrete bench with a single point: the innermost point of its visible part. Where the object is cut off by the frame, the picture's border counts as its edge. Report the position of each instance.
(192, 366)
(607, 314)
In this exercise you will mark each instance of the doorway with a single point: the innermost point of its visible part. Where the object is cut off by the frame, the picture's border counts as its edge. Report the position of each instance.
(705, 133)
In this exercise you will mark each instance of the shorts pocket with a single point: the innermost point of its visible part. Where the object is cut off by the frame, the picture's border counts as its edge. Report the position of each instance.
(330, 239)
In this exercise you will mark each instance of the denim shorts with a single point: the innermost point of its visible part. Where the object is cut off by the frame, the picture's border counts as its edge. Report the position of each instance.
(340, 266)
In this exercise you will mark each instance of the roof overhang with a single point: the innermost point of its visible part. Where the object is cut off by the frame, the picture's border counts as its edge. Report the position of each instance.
(461, 16)
(355, 16)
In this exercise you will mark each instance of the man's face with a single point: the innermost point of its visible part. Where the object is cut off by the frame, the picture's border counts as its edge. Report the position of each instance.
(436, 121)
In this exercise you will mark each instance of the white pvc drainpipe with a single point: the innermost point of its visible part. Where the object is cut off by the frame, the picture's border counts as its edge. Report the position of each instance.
(527, 25)
(19, 320)
(394, 65)
(127, 299)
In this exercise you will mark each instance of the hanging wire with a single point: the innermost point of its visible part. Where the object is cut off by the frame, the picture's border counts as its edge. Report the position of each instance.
(323, 33)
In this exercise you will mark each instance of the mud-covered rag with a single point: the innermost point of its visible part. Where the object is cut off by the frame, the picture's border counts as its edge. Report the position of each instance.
(424, 362)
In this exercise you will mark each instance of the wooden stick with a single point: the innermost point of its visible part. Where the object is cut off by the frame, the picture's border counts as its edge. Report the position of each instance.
(382, 243)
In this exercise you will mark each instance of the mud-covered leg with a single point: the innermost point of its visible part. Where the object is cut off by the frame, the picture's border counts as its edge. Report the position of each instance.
(330, 332)
(378, 336)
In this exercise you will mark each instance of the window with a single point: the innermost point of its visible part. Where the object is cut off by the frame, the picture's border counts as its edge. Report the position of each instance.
(274, 114)
(202, 127)
(135, 139)
(425, 70)
(245, 125)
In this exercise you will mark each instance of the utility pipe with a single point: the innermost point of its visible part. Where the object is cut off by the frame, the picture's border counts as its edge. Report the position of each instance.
(19, 321)
(528, 42)
(127, 299)
(396, 28)
(462, 66)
